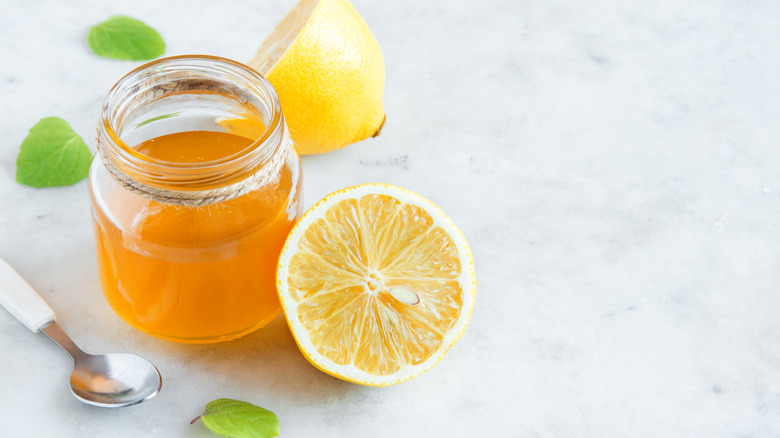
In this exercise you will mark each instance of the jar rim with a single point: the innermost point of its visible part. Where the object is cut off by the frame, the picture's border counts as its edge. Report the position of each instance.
(134, 81)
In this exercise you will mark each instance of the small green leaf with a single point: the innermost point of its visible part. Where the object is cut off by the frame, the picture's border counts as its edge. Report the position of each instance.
(52, 155)
(237, 419)
(125, 38)
(154, 119)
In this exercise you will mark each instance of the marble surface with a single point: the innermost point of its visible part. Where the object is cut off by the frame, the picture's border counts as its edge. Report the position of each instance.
(614, 165)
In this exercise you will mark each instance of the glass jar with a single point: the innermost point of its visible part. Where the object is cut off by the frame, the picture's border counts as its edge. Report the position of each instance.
(194, 189)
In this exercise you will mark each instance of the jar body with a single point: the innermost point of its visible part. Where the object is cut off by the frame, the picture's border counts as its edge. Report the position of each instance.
(195, 273)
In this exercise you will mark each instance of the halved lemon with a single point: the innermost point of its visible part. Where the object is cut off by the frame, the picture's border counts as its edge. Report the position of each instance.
(376, 283)
(327, 68)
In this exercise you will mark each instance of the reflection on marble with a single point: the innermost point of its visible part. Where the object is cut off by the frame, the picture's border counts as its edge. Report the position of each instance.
(614, 165)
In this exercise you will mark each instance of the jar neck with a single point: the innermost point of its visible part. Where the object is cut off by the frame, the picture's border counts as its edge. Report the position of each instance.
(185, 93)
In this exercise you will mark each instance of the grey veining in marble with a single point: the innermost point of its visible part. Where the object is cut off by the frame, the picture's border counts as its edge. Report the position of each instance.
(614, 165)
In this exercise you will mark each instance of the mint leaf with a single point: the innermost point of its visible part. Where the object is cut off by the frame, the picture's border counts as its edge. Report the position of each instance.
(154, 119)
(52, 155)
(237, 419)
(125, 38)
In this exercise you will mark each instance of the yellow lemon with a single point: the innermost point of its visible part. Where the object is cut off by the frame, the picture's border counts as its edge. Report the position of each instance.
(327, 68)
(376, 283)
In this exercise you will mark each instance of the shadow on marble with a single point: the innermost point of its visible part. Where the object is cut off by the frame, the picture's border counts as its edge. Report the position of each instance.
(266, 361)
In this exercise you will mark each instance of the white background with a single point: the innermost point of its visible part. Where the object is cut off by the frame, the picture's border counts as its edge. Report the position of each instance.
(614, 165)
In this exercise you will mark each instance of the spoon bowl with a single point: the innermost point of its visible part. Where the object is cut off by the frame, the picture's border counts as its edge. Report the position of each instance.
(114, 380)
(107, 380)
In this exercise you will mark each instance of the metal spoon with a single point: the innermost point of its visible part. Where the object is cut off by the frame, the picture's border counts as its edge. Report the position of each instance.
(107, 380)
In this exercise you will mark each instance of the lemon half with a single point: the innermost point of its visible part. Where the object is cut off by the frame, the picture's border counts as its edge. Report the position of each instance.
(328, 70)
(376, 283)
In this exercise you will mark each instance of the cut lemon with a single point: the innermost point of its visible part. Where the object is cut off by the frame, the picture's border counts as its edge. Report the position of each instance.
(376, 283)
(328, 71)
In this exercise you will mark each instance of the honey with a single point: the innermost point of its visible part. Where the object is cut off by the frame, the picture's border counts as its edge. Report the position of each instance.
(182, 272)
(199, 268)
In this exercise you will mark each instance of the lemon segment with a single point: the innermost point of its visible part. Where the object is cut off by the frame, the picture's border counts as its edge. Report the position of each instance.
(376, 283)
(328, 71)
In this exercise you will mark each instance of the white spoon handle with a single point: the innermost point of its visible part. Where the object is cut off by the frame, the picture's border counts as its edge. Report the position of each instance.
(21, 300)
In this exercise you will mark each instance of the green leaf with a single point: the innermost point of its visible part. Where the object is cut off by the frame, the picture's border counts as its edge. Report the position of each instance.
(237, 419)
(126, 38)
(154, 119)
(52, 155)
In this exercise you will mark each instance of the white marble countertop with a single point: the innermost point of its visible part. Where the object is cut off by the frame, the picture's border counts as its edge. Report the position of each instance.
(615, 166)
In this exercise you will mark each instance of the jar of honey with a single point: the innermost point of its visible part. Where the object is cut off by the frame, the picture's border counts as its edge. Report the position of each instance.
(194, 189)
